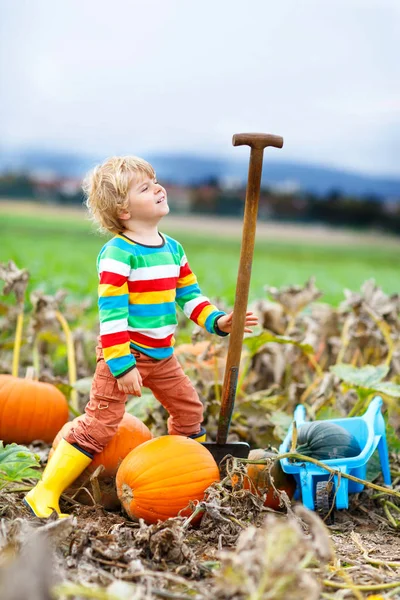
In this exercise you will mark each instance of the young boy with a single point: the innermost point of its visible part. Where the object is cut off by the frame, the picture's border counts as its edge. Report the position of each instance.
(142, 273)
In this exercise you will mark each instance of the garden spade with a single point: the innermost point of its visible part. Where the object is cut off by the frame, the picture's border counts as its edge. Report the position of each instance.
(257, 143)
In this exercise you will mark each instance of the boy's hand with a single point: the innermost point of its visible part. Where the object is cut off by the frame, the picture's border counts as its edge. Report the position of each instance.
(225, 322)
(131, 383)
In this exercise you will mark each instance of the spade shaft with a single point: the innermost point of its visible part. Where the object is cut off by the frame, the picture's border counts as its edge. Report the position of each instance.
(257, 143)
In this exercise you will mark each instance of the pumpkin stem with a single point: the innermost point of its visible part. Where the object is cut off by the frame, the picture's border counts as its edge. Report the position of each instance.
(197, 511)
(71, 357)
(94, 482)
(17, 342)
(31, 373)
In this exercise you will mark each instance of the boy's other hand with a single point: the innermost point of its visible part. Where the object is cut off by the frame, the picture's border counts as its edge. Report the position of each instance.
(131, 383)
(225, 322)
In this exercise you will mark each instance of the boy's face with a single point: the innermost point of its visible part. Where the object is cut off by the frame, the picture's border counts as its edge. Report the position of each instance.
(147, 200)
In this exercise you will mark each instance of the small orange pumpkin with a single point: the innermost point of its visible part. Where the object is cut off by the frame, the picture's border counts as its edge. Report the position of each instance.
(158, 479)
(30, 410)
(130, 433)
(258, 478)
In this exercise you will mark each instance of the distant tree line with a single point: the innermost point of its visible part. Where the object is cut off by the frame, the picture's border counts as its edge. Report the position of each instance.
(25, 187)
(334, 208)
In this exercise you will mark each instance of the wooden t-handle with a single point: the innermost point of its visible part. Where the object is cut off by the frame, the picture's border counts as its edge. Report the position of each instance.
(257, 140)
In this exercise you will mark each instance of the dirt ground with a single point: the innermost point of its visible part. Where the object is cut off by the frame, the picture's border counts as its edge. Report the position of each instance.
(96, 553)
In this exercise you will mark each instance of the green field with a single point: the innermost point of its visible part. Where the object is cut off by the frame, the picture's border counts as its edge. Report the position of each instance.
(60, 252)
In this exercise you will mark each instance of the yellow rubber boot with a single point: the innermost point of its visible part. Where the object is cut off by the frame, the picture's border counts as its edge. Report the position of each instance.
(66, 464)
(199, 437)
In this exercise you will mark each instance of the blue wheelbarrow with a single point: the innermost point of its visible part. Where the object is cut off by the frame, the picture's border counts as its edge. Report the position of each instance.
(317, 488)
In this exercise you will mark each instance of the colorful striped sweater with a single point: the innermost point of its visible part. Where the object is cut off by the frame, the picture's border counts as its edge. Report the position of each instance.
(139, 286)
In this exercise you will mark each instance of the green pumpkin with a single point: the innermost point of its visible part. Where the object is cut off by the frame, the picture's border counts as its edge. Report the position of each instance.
(323, 441)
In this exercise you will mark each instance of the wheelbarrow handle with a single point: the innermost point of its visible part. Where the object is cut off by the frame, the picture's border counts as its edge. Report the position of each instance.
(299, 414)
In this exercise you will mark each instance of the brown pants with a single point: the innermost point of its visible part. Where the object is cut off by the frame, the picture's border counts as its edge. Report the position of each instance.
(106, 406)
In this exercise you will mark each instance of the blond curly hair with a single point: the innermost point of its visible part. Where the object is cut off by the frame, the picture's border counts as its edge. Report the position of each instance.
(106, 188)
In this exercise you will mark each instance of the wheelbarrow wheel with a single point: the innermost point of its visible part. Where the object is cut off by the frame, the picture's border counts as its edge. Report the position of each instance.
(324, 498)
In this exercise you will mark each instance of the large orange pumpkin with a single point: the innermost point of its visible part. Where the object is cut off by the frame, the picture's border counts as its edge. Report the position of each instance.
(158, 479)
(30, 410)
(130, 433)
(258, 478)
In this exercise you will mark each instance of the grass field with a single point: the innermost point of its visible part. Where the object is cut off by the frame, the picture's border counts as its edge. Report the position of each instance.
(60, 252)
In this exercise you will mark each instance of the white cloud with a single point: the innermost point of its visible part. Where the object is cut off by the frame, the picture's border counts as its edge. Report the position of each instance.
(134, 76)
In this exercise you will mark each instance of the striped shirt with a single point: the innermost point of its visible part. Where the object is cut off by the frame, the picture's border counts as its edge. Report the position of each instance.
(139, 288)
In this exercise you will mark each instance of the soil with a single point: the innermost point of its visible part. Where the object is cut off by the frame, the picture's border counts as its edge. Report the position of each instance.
(113, 556)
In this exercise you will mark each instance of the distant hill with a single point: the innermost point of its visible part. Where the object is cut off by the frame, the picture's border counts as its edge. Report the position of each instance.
(192, 169)
(41, 161)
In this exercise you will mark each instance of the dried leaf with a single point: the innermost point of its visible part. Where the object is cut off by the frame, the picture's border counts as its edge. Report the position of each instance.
(321, 542)
(295, 298)
(44, 310)
(267, 564)
(16, 280)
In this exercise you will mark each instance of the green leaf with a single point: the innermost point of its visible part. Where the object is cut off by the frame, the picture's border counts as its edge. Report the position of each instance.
(282, 422)
(49, 336)
(141, 407)
(83, 385)
(254, 343)
(18, 463)
(64, 388)
(328, 412)
(389, 388)
(373, 467)
(367, 377)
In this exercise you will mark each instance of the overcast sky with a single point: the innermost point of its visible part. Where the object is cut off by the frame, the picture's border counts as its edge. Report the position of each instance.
(130, 76)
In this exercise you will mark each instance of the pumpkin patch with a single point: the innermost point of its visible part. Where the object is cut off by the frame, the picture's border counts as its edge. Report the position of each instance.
(332, 360)
(158, 479)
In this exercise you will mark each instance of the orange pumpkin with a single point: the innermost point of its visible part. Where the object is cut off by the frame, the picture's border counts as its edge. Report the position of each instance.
(30, 410)
(130, 433)
(258, 478)
(158, 479)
